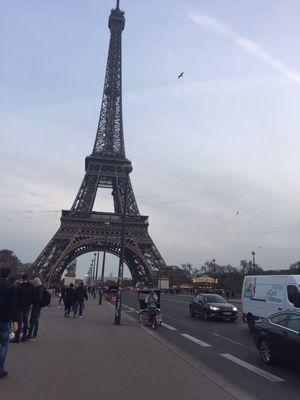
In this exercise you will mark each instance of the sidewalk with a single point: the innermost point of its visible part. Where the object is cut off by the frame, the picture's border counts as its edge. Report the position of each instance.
(88, 358)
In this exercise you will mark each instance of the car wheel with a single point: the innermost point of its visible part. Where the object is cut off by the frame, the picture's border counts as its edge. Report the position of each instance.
(250, 322)
(205, 316)
(192, 314)
(266, 352)
(232, 319)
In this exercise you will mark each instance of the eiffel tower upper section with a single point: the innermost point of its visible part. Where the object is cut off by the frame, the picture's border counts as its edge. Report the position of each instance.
(109, 142)
(106, 166)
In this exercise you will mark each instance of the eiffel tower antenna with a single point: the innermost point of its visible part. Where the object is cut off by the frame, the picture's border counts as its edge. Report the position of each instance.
(85, 230)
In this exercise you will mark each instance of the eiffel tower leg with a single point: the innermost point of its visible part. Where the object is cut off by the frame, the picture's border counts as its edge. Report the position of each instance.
(49, 256)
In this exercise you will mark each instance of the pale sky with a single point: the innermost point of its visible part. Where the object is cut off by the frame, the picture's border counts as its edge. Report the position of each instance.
(223, 138)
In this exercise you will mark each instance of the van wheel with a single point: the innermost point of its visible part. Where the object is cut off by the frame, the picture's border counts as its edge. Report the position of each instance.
(266, 352)
(250, 322)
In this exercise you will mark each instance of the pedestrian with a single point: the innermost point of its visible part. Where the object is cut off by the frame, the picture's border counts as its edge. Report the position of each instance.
(25, 298)
(82, 295)
(38, 291)
(69, 299)
(8, 314)
(75, 301)
(61, 295)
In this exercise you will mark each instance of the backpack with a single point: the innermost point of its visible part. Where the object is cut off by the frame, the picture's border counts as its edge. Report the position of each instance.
(46, 298)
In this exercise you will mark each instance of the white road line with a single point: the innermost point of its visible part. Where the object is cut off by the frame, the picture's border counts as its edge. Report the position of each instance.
(177, 301)
(252, 368)
(195, 340)
(169, 327)
(129, 308)
(228, 340)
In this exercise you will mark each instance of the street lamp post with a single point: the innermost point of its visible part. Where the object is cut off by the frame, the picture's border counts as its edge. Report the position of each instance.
(106, 223)
(254, 266)
(93, 272)
(97, 263)
(214, 272)
(127, 170)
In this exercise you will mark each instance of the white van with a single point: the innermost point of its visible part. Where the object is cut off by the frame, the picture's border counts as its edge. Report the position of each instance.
(264, 295)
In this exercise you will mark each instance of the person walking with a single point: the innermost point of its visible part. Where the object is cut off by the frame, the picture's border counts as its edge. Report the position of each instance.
(38, 291)
(82, 295)
(75, 301)
(25, 298)
(69, 299)
(8, 314)
(61, 295)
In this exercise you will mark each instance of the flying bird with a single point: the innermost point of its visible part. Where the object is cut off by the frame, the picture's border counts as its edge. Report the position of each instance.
(181, 75)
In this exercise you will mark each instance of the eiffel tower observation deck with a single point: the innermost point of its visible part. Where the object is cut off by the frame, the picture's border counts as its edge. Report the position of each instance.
(83, 230)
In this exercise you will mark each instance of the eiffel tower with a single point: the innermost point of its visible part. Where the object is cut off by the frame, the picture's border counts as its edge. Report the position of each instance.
(83, 230)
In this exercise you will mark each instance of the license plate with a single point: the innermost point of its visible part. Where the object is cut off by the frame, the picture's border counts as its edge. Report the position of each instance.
(226, 313)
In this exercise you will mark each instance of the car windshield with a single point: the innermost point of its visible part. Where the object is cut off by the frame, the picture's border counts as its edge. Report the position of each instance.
(214, 298)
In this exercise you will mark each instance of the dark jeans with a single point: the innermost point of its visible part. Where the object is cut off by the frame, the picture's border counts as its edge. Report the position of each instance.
(75, 308)
(23, 322)
(81, 308)
(34, 322)
(4, 340)
(68, 308)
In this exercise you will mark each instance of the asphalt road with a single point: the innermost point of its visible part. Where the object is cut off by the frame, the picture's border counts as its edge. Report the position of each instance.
(224, 346)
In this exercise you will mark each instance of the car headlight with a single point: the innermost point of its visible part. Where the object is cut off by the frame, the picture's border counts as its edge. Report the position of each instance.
(234, 308)
(213, 308)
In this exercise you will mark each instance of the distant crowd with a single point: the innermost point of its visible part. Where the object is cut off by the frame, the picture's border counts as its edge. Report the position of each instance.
(73, 298)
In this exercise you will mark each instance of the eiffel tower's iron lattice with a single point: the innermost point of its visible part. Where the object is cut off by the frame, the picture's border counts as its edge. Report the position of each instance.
(83, 230)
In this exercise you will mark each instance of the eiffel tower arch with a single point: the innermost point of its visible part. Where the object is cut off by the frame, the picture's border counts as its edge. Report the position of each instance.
(83, 230)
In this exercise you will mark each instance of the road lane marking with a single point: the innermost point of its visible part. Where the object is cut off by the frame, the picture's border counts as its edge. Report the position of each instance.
(195, 340)
(177, 301)
(207, 330)
(253, 368)
(130, 308)
(169, 327)
(229, 340)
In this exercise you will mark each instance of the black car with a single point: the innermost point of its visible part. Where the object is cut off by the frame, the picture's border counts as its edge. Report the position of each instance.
(278, 337)
(212, 306)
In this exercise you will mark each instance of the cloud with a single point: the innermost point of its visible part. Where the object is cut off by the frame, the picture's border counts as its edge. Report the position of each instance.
(36, 194)
(210, 23)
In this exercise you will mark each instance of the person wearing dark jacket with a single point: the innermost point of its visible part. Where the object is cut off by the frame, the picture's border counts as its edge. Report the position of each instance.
(25, 297)
(81, 296)
(38, 290)
(8, 314)
(75, 302)
(69, 299)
